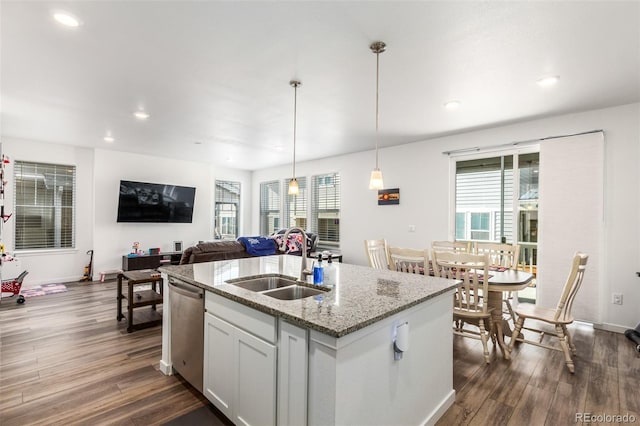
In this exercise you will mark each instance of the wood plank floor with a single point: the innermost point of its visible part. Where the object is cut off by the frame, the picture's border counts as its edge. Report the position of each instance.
(64, 359)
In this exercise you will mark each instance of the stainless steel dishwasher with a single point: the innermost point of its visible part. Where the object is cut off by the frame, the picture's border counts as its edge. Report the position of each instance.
(187, 330)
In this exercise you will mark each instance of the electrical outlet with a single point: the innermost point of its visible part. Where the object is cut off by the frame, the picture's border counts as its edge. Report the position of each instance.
(616, 298)
(412, 228)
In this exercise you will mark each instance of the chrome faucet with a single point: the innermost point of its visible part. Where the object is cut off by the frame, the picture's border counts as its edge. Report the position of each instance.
(283, 247)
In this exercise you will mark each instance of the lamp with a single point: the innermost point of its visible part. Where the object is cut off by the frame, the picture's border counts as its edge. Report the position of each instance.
(293, 183)
(376, 174)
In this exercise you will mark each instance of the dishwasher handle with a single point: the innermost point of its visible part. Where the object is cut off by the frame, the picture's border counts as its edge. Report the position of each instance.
(186, 289)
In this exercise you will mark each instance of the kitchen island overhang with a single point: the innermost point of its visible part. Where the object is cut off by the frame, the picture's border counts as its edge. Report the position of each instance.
(351, 331)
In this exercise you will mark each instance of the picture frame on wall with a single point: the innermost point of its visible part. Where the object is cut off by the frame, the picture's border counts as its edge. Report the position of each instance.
(177, 246)
(388, 196)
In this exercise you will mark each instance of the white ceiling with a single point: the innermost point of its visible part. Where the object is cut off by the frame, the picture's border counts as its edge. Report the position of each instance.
(217, 73)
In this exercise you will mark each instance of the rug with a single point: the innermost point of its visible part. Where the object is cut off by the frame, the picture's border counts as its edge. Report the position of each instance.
(43, 290)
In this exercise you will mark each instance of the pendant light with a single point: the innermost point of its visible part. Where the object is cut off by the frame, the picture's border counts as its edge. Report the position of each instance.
(376, 174)
(293, 183)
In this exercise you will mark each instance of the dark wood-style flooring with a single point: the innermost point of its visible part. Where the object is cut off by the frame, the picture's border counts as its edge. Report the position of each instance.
(65, 360)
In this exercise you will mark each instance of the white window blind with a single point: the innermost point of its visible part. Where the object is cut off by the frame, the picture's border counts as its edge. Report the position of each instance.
(325, 208)
(269, 207)
(571, 219)
(227, 207)
(45, 200)
(295, 206)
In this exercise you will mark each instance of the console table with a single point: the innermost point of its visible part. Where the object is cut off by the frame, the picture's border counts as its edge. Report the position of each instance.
(136, 299)
(150, 261)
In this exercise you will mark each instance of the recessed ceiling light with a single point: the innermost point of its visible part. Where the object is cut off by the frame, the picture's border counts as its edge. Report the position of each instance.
(452, 104)
(66, 19)
(109, 138)
(141, 115)
(548, 81)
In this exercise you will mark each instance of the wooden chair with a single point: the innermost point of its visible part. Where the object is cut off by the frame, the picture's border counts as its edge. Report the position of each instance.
(501, 256)
(377, 253)
(469, 306)
(455, 246)
(558, 317)
(408, 260)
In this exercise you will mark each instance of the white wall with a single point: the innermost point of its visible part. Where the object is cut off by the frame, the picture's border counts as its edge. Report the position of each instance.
(97, 184)
(422, 173)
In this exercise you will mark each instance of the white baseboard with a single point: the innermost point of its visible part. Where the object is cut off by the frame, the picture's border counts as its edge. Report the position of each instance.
(166, 368)
(440, 409)
(611, 327)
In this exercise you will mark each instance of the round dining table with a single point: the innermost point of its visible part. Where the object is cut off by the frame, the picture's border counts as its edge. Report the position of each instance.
(499, 282)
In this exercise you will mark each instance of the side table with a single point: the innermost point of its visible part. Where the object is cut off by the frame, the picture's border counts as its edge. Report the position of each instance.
(136, 299)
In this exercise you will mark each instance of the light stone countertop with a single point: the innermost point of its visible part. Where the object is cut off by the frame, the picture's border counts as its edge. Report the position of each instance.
(360, 297)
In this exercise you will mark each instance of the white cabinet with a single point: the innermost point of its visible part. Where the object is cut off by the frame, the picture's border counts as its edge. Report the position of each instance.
(240, 367)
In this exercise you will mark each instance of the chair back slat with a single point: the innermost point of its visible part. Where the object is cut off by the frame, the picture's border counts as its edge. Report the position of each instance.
(411, 261)
(377, 253)
(455, 246)
(500, 255)
(472, 270)
(571, 287)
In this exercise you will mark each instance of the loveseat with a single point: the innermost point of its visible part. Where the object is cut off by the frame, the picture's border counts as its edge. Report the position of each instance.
(225, 250)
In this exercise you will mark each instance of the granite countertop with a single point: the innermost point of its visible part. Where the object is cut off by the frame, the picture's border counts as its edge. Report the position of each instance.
(360, 297)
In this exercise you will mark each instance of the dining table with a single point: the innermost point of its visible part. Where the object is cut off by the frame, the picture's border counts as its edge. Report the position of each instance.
(501, 281)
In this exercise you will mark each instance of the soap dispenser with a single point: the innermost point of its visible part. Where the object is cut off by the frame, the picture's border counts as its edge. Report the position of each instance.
(318, 272)
(330, 272)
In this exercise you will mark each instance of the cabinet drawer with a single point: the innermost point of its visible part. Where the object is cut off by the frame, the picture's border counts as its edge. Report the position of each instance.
(255, 322)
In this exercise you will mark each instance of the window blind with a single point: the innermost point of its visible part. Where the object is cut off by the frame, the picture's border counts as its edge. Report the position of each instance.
(325, 208)
(44, 200)
(295, 206)
(571, 219)
(269, 207)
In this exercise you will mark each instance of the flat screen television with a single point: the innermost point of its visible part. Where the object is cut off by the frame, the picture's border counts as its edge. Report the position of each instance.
(155, 203)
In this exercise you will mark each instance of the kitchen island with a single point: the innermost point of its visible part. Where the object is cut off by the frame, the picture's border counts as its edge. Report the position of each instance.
(325, 359)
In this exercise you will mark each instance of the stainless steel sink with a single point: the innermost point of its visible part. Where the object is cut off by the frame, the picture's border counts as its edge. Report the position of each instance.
(277, 286)
(293, 292)
(263, 283)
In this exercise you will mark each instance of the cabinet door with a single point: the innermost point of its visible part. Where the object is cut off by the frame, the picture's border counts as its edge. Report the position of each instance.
(219, 363)
(255, 402)
(292, 375)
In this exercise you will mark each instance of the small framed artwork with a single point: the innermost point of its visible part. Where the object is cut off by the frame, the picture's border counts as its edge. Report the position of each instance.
(388, 196)
(177, 246)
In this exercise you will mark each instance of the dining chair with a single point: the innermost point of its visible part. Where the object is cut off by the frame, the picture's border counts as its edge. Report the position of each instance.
(377, 253)
(501, 256)
(558, 317)
(408, 260)
(469, 306)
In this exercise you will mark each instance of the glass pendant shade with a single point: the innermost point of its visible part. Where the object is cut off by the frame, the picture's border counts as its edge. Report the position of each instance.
(376, 179)
(293, 187)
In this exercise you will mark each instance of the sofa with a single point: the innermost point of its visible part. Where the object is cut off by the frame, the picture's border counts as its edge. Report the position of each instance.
(210, 251)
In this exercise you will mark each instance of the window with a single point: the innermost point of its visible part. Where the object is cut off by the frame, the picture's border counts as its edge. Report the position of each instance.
(325, 209)
(269, 207)
(484, 199)
(295, 206)
(227, 206)
(45, 199)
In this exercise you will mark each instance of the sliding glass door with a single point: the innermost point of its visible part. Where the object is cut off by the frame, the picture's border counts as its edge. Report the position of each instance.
(496, 200)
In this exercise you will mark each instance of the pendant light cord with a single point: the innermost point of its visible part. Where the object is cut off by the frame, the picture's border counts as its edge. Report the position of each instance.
(295, 108)
(377, 110)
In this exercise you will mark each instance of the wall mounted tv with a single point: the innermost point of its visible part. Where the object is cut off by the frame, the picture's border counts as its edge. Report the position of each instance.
(155, 203)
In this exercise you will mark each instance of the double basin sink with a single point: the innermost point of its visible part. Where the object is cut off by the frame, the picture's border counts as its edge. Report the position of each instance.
(277, 286)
